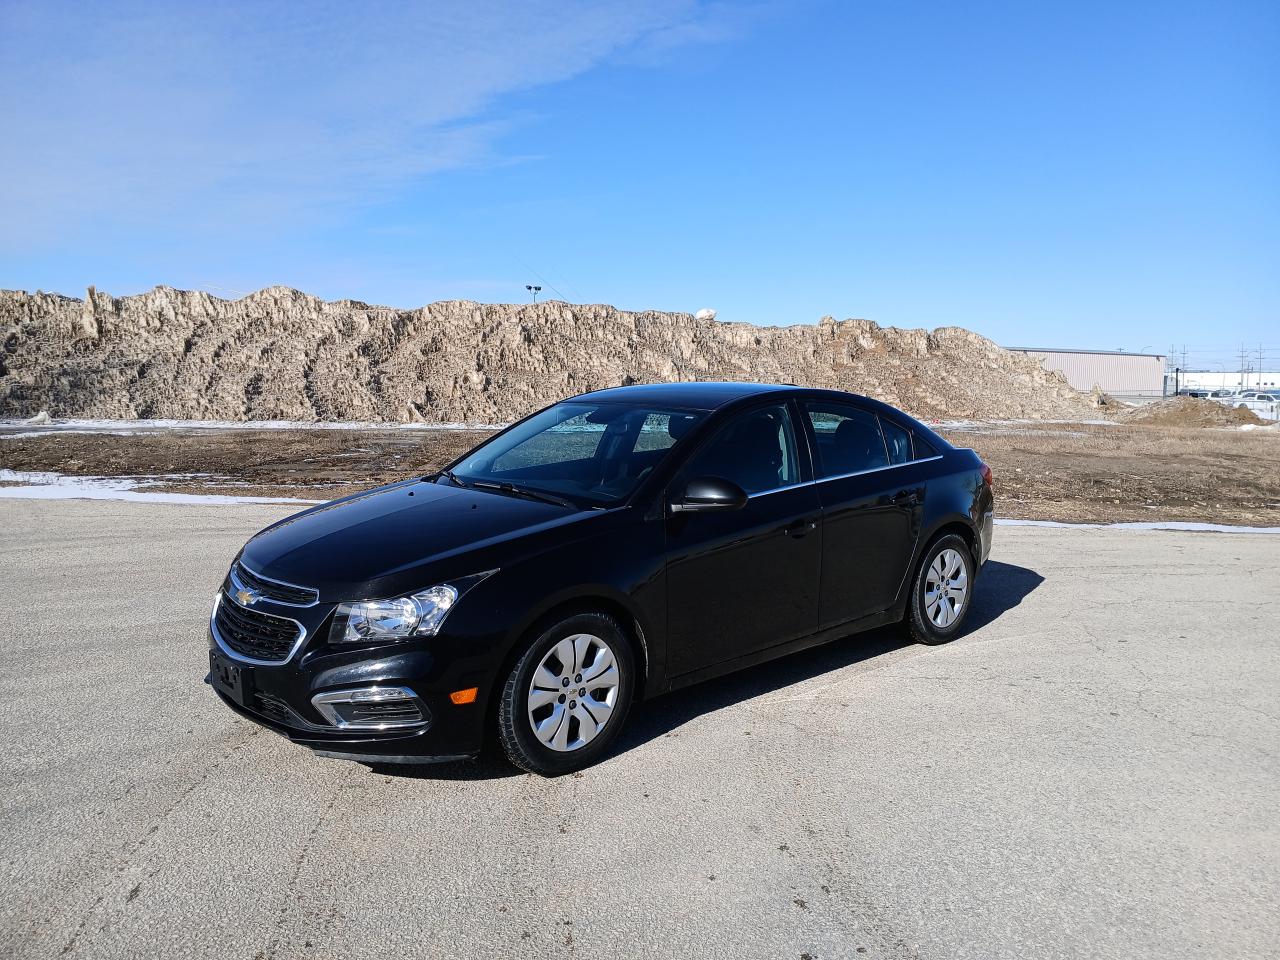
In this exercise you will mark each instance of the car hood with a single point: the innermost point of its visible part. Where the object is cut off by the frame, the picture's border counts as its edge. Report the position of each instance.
(372, 544)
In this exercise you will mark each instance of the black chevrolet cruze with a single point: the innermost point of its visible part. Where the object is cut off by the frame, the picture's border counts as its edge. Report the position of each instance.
(609, 548)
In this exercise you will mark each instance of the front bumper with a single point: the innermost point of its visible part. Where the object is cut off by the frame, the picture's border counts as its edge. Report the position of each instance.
(416, 746)
(290, 699)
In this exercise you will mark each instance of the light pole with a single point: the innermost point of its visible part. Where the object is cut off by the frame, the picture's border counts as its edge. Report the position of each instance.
(534, 290)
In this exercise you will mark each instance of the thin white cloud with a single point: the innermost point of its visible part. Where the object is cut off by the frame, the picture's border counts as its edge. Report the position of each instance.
(231, 113)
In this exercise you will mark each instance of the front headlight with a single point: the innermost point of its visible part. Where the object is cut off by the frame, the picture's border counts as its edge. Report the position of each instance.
(371, 621)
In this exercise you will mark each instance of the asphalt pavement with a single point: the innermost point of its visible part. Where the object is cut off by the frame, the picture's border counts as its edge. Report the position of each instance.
(1090, 772)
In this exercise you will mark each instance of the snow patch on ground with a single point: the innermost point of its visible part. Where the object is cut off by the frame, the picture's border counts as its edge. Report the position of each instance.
(984, 426)
(1140, 525)
(35, 485)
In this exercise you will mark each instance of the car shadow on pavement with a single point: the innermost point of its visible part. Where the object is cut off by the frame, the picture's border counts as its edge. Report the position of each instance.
(1001, 587)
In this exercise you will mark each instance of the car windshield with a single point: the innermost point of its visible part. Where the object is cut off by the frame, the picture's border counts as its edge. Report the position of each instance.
(580, 450)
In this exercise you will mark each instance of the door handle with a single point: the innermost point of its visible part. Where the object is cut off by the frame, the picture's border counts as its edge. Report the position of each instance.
(905, 498)
(802, 528)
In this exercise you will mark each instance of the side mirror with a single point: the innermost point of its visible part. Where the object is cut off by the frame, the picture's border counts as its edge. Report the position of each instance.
(710, 493)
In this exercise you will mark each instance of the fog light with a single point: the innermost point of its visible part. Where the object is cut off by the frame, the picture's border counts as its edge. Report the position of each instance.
(372, 708)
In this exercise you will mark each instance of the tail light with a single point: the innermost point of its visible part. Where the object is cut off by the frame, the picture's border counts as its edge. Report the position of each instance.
(986, 475)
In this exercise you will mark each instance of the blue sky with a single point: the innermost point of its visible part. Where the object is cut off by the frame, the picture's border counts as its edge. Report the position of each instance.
(1077, 174)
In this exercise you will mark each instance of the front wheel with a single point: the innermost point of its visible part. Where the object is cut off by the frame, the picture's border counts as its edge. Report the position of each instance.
(941, 592)
(567, 695)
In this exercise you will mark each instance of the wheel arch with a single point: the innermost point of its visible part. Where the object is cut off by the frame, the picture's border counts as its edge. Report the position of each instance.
(600, 599)
(962, 527)
(954, 523)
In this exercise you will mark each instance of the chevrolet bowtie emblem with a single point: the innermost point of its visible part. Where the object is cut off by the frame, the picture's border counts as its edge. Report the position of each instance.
(247, 598)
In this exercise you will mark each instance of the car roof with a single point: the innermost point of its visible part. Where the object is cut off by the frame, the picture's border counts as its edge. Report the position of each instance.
(696, 396)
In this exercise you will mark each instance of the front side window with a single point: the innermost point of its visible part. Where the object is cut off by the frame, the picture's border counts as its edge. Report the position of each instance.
(848, 439)
(597, 452)
(756, 450)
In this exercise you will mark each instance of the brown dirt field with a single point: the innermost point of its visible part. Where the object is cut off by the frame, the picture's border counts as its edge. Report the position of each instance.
(1120, 473)
(1068, 472)
(1188, 412)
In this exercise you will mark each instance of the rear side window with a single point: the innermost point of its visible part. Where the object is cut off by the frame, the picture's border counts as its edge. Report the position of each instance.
(897, 440)
(848, 439)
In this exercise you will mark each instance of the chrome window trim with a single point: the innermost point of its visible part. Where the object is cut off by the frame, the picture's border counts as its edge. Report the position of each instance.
(789, 486)
(891, 466)
(241, 585)
(323, 702)
(226, 648)
(842, 476)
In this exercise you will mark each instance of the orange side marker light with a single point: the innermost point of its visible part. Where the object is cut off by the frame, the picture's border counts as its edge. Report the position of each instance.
(461, 697)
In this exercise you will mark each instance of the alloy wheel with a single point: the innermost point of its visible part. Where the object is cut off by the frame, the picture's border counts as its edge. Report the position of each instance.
(573, 692)
(946, 588)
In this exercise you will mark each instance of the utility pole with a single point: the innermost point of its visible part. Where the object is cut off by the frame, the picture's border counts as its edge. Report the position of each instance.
(1244, 367)
(534, 290)
(1260, 366)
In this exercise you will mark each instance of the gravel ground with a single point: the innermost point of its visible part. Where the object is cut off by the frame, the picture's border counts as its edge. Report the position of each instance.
(1090, 772)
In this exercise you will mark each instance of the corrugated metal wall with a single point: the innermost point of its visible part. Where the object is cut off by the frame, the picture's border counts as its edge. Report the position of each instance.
(1134, 374)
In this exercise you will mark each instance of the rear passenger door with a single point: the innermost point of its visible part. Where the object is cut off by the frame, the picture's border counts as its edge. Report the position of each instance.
(872, 496)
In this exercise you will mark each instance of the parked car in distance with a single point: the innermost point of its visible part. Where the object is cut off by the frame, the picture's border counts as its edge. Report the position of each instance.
(607, 549)
(1265, 405)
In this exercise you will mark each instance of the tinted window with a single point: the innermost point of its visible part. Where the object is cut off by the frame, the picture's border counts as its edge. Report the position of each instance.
(897, 440)
(848, 439)
(923, 448)
(756, 450)
(596, 451)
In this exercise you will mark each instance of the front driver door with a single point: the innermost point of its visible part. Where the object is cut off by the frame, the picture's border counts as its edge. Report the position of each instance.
(743, 580)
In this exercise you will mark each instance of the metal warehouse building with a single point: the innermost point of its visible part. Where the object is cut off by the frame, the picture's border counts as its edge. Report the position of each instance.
(1126, 376)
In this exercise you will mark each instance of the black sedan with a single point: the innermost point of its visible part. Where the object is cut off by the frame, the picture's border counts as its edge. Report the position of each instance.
(609, 548)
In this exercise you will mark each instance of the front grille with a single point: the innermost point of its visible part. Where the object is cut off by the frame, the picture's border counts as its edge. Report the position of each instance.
(274, 589)
(254, 634)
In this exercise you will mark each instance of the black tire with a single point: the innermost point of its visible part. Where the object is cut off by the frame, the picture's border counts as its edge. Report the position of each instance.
(919, 624)
(515, 728)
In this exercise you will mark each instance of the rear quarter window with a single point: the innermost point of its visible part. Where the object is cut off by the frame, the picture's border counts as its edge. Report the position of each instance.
(922, 447)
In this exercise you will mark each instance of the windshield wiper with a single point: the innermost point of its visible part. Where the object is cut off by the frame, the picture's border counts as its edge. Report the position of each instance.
(450, 475)
(522, 492)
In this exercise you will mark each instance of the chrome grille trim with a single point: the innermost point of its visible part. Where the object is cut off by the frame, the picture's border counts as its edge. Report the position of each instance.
(256, 582)
(226, 647)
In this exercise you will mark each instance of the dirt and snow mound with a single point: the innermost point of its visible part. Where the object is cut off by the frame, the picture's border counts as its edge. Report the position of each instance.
(1188, 412)
(279, 354)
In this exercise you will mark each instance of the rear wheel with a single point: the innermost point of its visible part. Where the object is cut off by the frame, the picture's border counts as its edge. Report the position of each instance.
(941, 592)
(567, 695)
